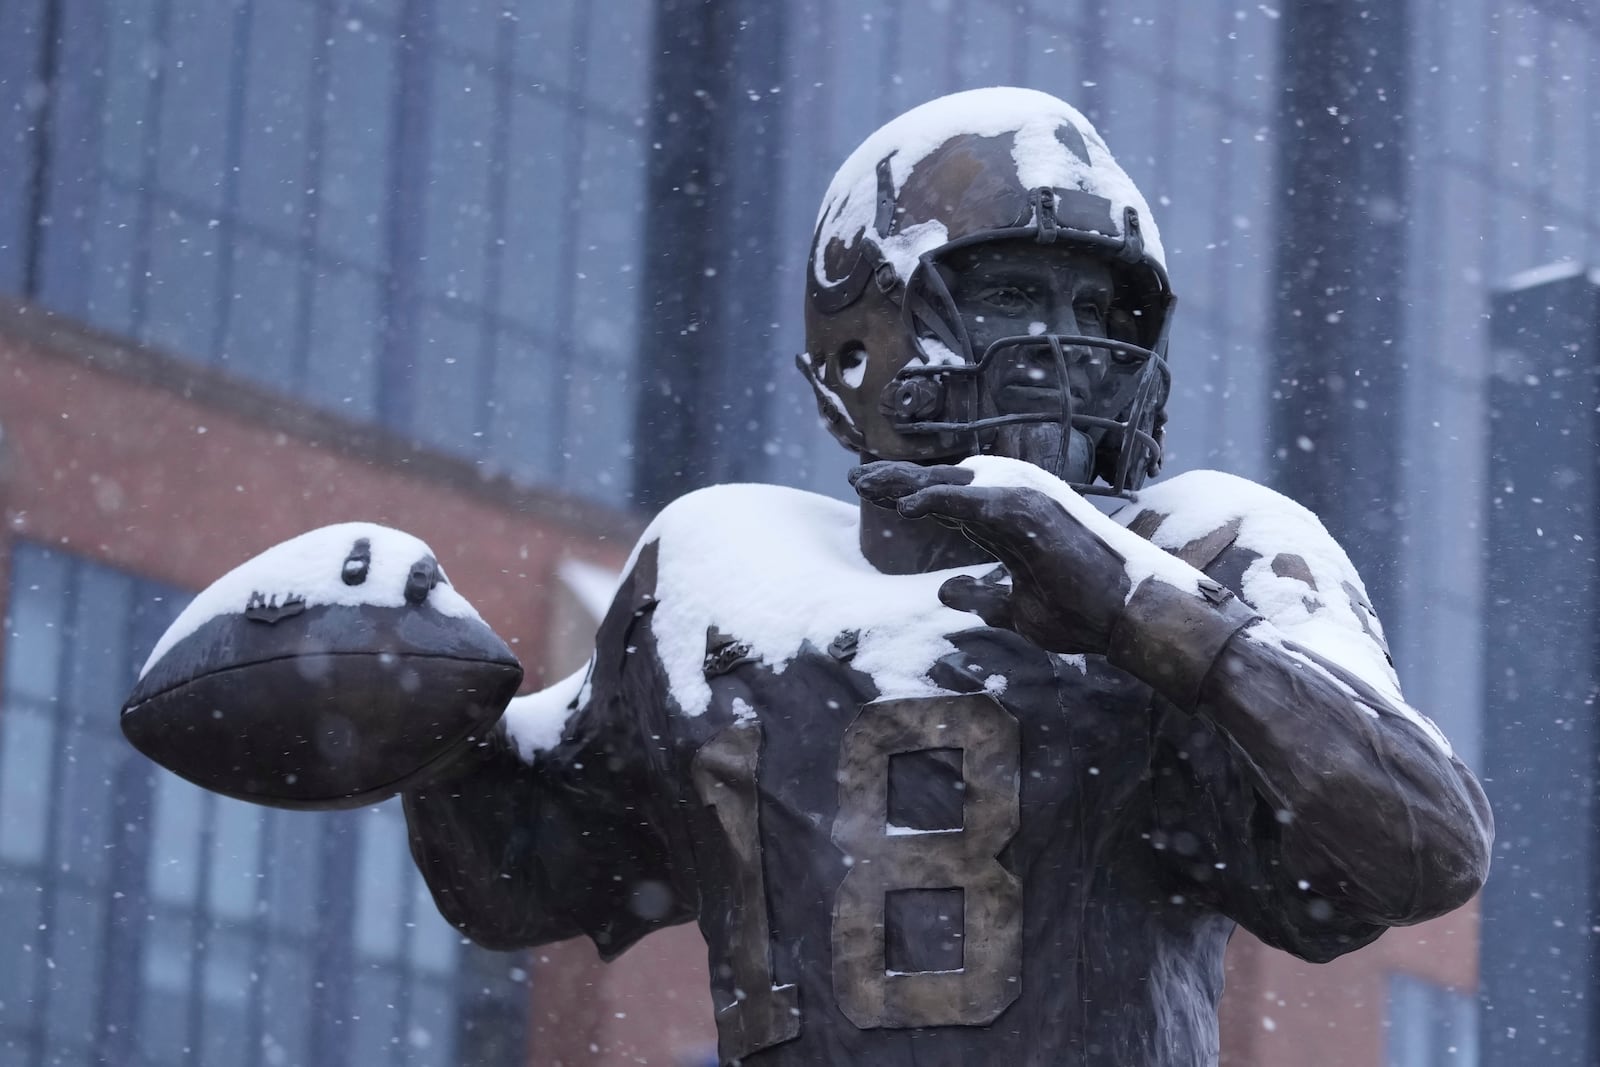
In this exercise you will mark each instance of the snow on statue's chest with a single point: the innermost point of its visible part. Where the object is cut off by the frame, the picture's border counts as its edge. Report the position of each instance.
(777, 568)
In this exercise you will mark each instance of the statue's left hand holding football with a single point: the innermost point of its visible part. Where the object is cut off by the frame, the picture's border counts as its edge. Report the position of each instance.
(1067, 585)
(332, 670)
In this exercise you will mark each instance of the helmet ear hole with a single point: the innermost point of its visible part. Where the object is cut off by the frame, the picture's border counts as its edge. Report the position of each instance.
(850, 364)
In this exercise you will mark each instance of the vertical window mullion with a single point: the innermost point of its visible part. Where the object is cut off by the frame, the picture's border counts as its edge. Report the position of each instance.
(49, 868)
(312, 193)
(566, 346)
(46, 21)
(407, 185)
(233, 139)
(139, 298)
(124, 944)
(494, 247)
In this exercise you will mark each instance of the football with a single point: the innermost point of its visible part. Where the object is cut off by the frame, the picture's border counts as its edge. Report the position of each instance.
(332, 670)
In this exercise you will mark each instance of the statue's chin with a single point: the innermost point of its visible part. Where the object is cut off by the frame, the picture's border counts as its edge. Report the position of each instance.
(1040, 443)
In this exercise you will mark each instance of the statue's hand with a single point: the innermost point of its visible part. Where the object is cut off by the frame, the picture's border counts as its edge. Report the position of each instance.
(1068, 586)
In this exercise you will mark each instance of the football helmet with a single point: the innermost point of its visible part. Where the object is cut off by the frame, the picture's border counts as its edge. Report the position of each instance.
(887, 351)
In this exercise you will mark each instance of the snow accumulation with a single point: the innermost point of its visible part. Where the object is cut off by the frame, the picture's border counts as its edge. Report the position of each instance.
(781, 567)
(1324, 619)
(850, 207)
(534, 722)
(311, 566)
(1549, 272)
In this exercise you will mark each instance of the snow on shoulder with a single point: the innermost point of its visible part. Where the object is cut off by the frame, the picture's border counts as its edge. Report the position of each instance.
(777, 568)
(311, 567)
(1303, 583)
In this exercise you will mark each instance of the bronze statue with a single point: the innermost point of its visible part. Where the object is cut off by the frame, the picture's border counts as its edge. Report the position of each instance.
(972, 772)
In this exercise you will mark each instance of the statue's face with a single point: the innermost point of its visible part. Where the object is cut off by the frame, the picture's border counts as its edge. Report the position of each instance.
(1022, 288)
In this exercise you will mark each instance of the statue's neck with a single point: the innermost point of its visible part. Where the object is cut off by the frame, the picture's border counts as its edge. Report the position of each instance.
(898, 545)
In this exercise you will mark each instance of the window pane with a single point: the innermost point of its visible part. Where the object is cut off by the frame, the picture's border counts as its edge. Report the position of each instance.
(175, 839)
(272, 157)
(34, 640)
(607, 261)
(431, 1026)
(77, 950)
(195, 71)
(86, 805)
(358, 119)
(346, 331)
(435, 944)
(375, 1020)
(293, 872)
(111, 265)
(523, 411)
(287, 997)
(183, 284)
(97, 676)
(470, 24)
(165, 991)
(446, 400)
(537, 211)
(225, 1023)
(19, 932)
(27, 740)
(619, 59)
(132, 59)
(459, 146)
(544, 44)
(235, 859)
(20, 26)
(263, 314)
(381, 889)
(597, 446)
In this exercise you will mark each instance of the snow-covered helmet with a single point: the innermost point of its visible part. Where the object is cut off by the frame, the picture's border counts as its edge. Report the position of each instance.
(887, 351)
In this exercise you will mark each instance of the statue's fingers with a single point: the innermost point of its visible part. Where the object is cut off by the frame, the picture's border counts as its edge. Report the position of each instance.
(884, 482)
(988, 601)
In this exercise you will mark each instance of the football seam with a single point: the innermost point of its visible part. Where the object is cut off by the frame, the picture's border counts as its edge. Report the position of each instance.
(517, 666)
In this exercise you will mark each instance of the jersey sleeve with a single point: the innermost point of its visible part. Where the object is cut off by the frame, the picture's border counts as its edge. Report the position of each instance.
(521, 847)
(1304, 797)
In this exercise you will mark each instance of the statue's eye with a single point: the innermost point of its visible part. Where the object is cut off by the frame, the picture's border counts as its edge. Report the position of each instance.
(1005, 298)
(1090, 315)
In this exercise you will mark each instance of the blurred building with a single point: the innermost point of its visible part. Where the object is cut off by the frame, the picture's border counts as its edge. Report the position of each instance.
(510, 273)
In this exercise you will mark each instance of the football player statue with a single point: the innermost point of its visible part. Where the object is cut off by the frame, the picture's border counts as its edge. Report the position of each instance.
(970, 772)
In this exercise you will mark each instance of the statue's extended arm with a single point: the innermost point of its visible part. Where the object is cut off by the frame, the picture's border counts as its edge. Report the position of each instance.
(1353, 813)
(522, 847)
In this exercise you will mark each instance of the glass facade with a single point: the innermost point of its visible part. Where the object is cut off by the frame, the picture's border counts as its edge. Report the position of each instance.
(419, 213)
(151, 923)
(1506, 179)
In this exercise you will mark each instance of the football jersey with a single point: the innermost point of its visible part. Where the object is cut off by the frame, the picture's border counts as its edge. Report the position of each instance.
(995, 854)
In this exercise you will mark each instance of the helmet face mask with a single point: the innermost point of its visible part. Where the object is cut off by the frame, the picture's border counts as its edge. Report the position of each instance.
(905, 361)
